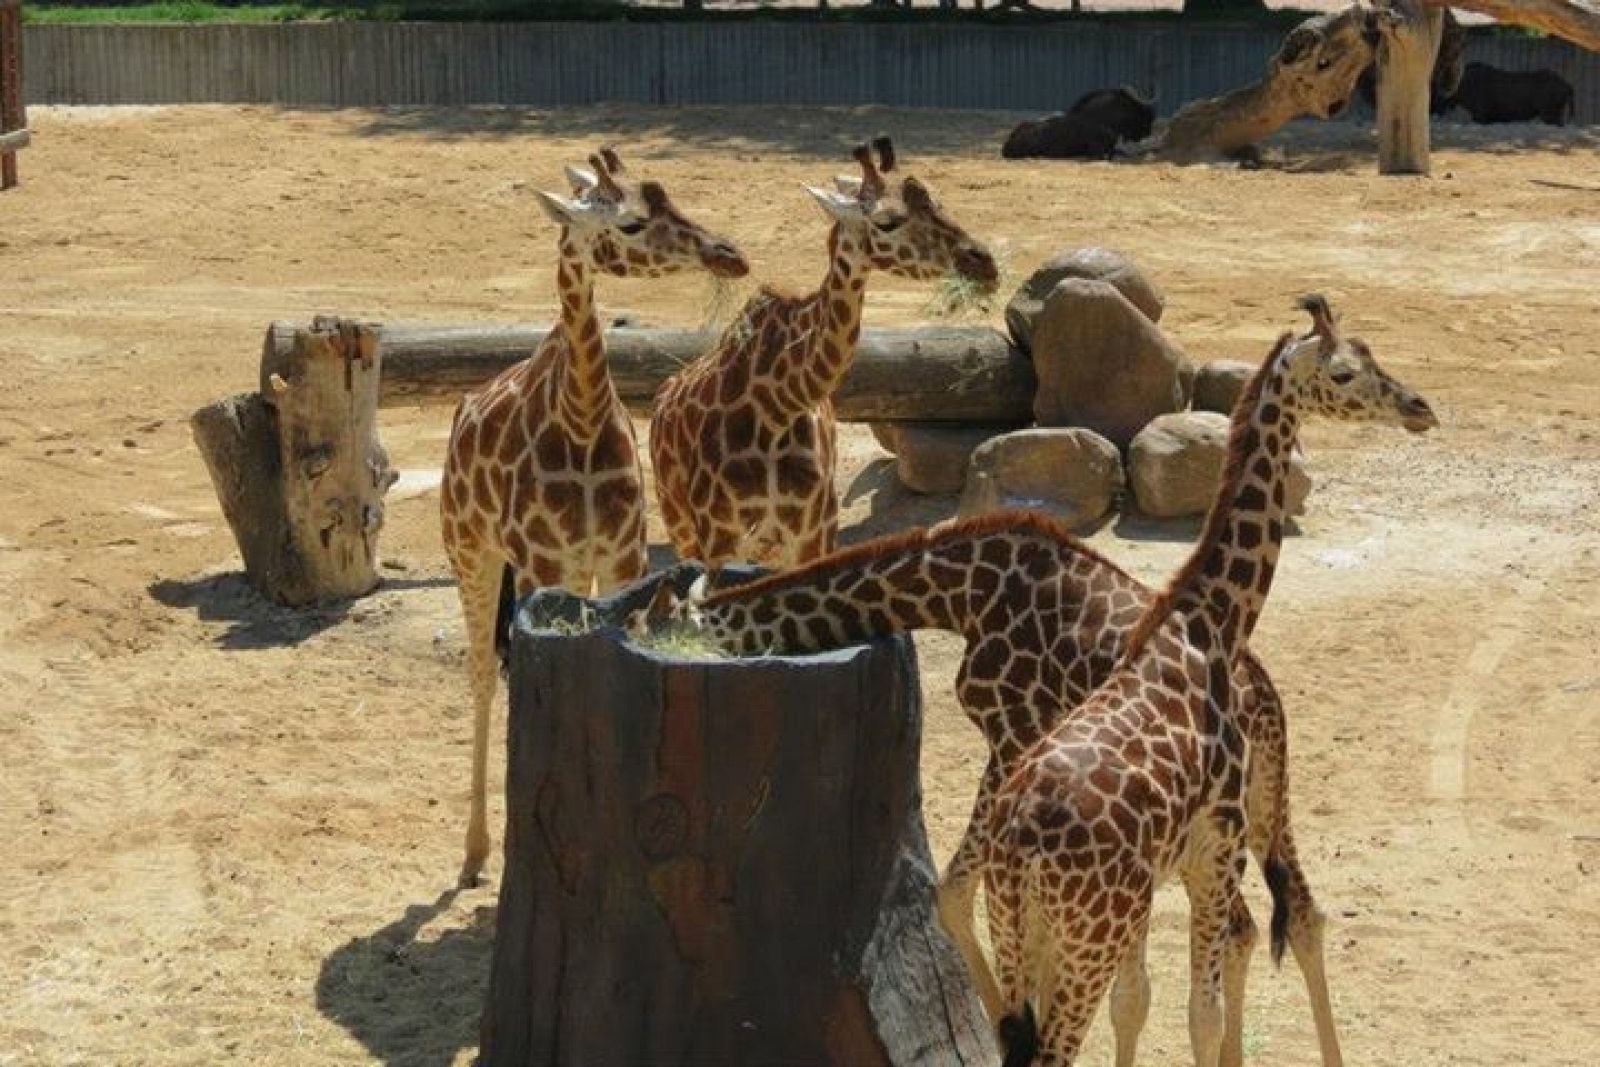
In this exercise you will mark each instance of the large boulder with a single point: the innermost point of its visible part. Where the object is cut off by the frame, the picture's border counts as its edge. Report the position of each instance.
(1218, 384)
(931, 457)
(1175, 466)
(1103, 364)
(1091, 264)
(1073, 474)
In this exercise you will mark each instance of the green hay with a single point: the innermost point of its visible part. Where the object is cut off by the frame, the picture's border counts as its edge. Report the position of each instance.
(681, 643)
(957, 297)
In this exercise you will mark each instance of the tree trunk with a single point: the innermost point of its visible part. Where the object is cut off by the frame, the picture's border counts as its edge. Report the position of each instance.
(1576, 20)
(13, 116)
(930, 373)
(1405, 73)
(298, 467)
(1222, 7)
(715, 861)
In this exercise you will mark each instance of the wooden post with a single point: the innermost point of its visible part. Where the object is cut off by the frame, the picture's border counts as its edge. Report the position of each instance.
(13, 115)
(298, 467)
(715, 861)
(963, 374)
(1406, 52)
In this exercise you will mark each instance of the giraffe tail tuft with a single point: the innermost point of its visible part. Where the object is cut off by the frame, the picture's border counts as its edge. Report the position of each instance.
(503, 619)
(1019, 1037)
(1276, 873)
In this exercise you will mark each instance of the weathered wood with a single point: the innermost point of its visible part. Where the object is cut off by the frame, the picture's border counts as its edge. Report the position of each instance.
(716, 861)
(13, 115)
(1406, 52)
(1576, 20)
(931, 373)
(298, 467)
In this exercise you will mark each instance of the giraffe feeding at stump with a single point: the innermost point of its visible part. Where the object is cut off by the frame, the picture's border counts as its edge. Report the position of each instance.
(742, 439)
(1146, 779)
(1045, 619)
(542, 483)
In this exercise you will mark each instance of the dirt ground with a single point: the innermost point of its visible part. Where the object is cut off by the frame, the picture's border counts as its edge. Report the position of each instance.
(232, 830)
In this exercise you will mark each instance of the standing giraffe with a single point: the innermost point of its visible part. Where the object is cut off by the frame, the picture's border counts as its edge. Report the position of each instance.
(1045, 619)
(743, 438)
(1146, 779)
(542, 479)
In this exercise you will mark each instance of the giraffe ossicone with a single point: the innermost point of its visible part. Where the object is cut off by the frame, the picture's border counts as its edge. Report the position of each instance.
(542, 484)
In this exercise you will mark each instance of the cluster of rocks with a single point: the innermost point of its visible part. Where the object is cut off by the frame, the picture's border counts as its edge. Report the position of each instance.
(1120, 410)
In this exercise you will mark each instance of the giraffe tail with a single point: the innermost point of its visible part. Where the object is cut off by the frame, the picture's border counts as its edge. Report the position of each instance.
(1276, 873)
(503, 619)
(1019, 1037)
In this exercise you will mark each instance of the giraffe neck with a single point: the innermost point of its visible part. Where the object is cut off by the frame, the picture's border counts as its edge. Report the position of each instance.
(1223, 586)
(944, 578)
(807, 372)
(586, 396)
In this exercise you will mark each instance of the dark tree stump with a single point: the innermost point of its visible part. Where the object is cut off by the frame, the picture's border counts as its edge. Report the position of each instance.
(298, 467)
(716, 861)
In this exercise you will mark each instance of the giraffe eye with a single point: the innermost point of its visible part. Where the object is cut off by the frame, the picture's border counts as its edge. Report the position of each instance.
(889, 223)
(1342, 377)
(631, 228)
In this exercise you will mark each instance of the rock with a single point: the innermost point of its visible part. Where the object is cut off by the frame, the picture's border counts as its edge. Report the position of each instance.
(1102, 364)
(1091, 264)
(1218, 384)
(887, 434)
(931, 457)
(1073, 474)
(1175, 465)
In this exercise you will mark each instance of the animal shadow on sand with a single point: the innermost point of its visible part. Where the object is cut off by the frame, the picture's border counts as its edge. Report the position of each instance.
(254, 621)
(411, 1002)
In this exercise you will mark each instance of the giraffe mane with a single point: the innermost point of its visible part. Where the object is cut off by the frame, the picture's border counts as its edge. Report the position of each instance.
(1221, 506)
(918, 537)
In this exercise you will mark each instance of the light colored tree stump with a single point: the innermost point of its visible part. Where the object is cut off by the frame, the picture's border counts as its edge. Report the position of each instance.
(1406, 51)
(716, 861)
(298, 467)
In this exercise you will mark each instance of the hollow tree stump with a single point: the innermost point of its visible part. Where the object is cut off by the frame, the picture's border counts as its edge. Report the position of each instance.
(298, 467)
(716, 861)
(1406, 51)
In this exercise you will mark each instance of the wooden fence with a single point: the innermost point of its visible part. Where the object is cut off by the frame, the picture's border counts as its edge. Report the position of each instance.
(1037, 67)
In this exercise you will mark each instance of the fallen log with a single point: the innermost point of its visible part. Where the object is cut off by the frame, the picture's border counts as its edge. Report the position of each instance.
(957, 374)
(715, 861)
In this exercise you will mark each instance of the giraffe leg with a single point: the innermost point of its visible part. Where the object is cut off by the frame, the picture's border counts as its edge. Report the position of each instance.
(1213, 884)
(1130, 1003)
(1306, 924)
(1242, 938)
(958, 892)
(480, 600)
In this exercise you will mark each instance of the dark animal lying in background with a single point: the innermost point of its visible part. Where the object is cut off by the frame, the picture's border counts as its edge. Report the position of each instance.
(1446, 69)
(1089, 129)
(1490, 94)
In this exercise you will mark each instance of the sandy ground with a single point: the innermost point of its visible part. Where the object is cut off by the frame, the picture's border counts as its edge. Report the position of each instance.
(232, 829)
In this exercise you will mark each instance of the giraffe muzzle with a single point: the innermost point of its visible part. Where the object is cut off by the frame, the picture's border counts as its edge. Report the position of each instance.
(1417, 416)
(724, 260)
(978, 265)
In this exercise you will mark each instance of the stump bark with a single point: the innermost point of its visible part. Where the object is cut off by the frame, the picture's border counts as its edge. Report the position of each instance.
(1406, 53)
(298, 467)
(716, 861)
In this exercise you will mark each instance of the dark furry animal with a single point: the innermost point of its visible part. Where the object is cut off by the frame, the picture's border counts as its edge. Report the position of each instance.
(1490, 94)
(1090, 129)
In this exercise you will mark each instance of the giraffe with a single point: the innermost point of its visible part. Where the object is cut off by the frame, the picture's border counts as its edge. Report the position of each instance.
(742, 439)
(542, 483)
(1146, 779)
(1044, 619)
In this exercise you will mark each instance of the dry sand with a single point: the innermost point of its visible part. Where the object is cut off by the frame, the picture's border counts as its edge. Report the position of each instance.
(231, 829)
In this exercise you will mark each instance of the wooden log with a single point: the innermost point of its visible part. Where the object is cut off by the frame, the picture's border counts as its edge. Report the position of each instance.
(16, 139)
(715, 861)
(1406, 52)
(930, 373)
(1576, 20)
(298, 467)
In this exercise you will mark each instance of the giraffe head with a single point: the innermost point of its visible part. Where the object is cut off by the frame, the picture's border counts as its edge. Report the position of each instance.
(903, 231)
(632, 230)
(1343, 381)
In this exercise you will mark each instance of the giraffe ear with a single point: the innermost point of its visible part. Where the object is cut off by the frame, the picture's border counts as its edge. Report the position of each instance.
(562, 212)
(582, 180)
(839, 207)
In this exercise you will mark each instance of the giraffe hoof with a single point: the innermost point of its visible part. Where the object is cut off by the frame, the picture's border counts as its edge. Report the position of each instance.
(471, 875)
